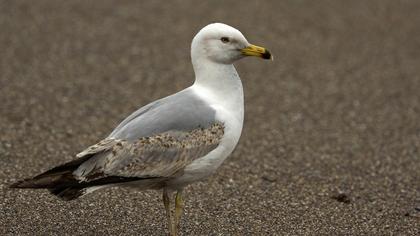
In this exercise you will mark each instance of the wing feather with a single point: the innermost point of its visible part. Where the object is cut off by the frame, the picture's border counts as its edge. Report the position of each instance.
(160, 156)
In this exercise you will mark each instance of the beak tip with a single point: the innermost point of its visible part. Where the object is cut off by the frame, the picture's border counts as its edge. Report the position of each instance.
(257, 51)
(267, 55)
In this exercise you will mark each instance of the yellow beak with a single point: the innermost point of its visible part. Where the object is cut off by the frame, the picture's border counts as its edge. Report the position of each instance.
(257, 51)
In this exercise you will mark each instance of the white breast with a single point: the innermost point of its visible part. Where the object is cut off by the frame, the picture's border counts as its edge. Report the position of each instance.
(229, 110)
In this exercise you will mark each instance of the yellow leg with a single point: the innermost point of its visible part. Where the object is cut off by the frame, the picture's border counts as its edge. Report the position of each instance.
(167, 203)
(179, 206)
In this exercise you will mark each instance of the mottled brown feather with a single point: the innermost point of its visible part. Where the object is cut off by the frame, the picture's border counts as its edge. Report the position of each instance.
(160, 156)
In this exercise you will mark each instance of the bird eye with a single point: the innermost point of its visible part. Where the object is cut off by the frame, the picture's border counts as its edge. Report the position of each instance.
(224, 39)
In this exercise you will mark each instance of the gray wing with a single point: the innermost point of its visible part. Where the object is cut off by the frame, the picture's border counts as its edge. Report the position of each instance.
(160, 156)
(158, 140)
(183, 111)
(153, 144)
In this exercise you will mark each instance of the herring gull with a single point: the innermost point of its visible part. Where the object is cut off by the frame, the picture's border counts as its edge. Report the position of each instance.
(173, 141)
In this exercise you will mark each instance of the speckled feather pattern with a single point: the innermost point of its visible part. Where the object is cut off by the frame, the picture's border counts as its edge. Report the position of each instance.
(163, 155)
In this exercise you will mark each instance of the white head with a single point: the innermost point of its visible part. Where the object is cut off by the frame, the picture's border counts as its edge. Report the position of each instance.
(223, 44)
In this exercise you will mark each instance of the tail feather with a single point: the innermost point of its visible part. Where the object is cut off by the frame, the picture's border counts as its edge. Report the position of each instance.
(63, 185)
(67, 193)
(61, 182)
(57, 176)
(46, 181)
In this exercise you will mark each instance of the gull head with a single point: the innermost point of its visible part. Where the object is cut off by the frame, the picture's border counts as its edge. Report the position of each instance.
(224, 44)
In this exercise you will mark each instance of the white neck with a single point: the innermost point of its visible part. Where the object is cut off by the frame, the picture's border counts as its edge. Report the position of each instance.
(222, 81)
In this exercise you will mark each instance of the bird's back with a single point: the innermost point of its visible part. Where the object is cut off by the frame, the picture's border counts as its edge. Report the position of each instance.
(183, 111)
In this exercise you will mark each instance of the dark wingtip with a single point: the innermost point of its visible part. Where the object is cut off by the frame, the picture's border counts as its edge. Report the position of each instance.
(67, 193)
(14, 185)
(64, 193)
(27, 183)
(18, 184)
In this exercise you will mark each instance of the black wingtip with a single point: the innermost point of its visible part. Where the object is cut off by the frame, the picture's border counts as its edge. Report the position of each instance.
(45, 181)
(22, 184)
(65, 193)
(68, 193)
(14, 185)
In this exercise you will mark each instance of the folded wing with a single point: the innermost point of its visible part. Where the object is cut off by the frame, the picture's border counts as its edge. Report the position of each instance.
(153, 159)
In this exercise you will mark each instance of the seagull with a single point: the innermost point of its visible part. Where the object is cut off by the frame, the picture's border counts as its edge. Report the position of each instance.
(171, 142)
